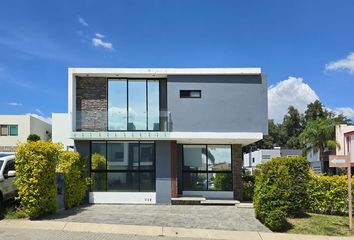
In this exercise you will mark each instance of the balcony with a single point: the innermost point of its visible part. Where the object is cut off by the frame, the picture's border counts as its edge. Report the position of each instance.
(100, 121)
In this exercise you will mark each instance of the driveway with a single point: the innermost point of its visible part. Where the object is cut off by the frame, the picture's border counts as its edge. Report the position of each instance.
(184, 216)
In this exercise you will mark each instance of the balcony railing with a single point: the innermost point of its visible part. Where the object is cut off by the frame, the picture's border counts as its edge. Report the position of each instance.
(100, 121)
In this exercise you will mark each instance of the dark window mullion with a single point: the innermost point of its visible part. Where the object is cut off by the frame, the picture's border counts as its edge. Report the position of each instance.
(147, 104)
(106, 166)
(127, 105)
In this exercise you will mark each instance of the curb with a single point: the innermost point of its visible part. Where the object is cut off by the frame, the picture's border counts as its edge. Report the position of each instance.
(158, 231)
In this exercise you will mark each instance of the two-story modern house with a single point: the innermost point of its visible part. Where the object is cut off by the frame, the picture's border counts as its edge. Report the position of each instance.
(153, 134)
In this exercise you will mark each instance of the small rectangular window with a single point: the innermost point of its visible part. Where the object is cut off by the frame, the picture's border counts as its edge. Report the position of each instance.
(190, 93)
(13, 130)
(3, 131)
(266, 157)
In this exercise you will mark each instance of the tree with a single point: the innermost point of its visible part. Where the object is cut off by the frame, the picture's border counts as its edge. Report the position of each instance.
(292, 127)
(318, 136)
(316, 110)
(33, 138)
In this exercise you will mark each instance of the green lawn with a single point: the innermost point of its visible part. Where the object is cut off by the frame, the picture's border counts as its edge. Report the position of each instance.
(319, 224)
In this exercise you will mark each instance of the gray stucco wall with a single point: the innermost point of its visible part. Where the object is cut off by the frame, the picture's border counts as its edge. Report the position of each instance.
(228, 104)
(163, 172)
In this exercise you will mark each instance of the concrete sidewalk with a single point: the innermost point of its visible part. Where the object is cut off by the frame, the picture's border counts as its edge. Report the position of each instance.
(154, 231)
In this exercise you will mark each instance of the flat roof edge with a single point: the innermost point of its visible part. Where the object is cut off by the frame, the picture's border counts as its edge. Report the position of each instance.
(167, 71)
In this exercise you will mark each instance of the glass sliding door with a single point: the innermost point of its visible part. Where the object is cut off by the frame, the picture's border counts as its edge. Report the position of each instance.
(117, 104)
(153, 102)
(137, 114)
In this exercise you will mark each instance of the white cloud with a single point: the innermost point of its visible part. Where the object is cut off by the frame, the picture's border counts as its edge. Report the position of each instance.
(346, 111)
(97, 42)
(292, 91)
(15, 104)
(82, 21)
(345, 64)
(99, 35)
(46, 119)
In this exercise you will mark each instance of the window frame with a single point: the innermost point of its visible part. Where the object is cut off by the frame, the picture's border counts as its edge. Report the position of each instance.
(190, 95)
(139, 171)
(207, 171)
(9, 130)
(146, 102)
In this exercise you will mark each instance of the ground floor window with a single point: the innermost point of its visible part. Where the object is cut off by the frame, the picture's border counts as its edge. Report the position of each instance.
(207, 168)
(120, 166)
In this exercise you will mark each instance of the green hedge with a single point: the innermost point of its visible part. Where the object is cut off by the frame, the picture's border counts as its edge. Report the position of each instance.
(35, 177)
(76, 182)
(281, 190)
(328, 194)
(248, 187)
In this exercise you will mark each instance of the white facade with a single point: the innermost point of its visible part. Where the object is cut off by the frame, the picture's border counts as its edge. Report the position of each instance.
(314, 158)
(61, 130)
(251, 160)
(26, 125)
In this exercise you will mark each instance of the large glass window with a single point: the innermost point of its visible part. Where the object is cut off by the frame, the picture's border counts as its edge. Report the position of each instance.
(117, 105)
(194, 157)
(207, 167)
(153, 105)
(133, 105)
(137, 119)
(123, 155)
(123, 166)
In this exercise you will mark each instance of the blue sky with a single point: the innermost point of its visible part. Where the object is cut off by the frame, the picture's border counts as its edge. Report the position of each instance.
(290, 40)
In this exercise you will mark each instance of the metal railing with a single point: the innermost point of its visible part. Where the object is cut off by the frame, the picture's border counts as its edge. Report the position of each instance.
(102, 121)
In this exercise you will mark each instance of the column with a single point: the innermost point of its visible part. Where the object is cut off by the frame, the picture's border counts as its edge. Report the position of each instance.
(237, 163)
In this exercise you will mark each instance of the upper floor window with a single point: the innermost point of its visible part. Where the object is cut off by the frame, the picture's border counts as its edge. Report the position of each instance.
(133, 105)
(190, 93)
(9, 130)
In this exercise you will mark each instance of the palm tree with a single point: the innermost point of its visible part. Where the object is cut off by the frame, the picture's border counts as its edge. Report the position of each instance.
(319, 135)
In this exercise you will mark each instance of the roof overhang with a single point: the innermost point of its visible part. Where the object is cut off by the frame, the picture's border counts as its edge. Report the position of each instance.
(243, 138)
(159, 72)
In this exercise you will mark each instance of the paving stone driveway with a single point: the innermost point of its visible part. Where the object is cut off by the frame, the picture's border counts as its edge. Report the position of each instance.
(186, 216)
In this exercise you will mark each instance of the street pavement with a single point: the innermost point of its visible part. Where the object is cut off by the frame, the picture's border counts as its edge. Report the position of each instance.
(229, 218)
(40, 234)
(59, 230)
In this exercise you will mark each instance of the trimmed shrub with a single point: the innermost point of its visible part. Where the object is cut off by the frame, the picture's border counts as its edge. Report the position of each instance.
(33, 138)
(35, 177)
(276, 220)
(248, 187)
(281, 185)
(76, 182)
(328, 194)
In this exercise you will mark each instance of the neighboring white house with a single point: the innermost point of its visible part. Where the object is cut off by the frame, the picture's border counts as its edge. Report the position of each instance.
(61, 130)
(251, 160)
(314, 159)
(15, 129)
